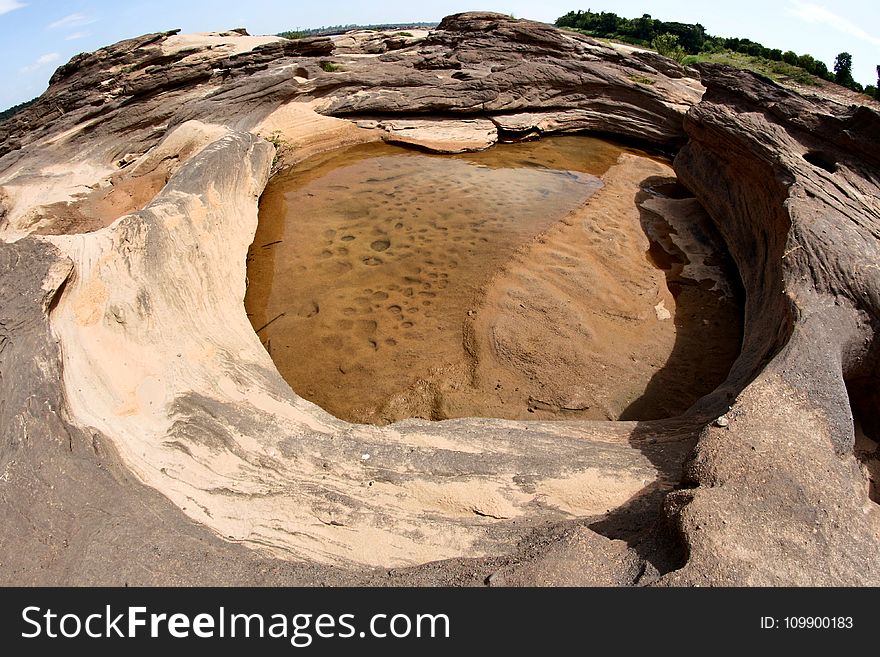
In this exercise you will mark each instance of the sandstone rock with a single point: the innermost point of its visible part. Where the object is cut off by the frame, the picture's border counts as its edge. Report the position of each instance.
(371, 42)
(489, 64)
(137, 398)
(798, 207)
(440, 135)
(579, 557)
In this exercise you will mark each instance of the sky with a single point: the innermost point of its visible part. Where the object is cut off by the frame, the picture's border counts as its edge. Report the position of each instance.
(37, 36)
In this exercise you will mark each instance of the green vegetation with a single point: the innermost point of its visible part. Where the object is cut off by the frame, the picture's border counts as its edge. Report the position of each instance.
(690, 43)
(637, 31)
(641, 79)
(15, 109)
(281, 147)
(330, 67)
(778, 71)
(301, 33)
(668, 46)
(843, 70)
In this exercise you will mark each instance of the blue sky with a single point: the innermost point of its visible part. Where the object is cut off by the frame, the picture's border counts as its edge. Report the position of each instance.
(37, 36)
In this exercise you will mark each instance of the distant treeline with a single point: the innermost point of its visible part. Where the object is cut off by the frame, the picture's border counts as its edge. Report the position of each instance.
(340, 29)
(695, 40)
(15, 109)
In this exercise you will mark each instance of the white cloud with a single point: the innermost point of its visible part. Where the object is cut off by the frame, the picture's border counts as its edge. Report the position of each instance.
(73, 20)
(40, 62)
(77, 35)
(10, 5)
(812, 13)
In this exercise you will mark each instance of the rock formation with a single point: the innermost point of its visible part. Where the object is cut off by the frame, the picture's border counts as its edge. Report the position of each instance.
(147, 437)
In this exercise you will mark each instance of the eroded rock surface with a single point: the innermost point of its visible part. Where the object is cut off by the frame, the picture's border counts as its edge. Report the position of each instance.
(137, 398)
(792, 186)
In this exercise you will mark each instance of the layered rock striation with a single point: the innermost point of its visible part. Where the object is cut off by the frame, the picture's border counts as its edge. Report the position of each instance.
(148, 438)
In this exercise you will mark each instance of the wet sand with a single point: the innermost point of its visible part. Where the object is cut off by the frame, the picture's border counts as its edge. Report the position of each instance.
(388, 284)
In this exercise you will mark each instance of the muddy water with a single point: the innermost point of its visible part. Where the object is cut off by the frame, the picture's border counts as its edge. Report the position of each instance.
(370, 263)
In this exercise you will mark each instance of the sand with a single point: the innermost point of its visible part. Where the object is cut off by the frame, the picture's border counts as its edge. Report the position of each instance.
(387, 285)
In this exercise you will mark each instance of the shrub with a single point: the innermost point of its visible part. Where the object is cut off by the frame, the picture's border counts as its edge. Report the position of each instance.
(281, 147)
(330, 67)
(807, 63)
(641, 79)
(667, 45)
(804, 77)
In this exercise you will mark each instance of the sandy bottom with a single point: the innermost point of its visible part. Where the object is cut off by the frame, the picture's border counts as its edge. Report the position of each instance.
(511, 283)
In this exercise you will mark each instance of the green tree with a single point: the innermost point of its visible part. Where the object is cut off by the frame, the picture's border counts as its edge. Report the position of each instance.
(790, 57)
(877, 91)
(843, 69)
(871, 91)
(608, 23)
(822, 69)
(667, 45)
(15, 109)
(807, 63)
(644, 27)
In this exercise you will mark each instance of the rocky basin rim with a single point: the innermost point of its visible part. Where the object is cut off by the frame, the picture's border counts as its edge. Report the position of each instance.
(148, 438)
(388, 285)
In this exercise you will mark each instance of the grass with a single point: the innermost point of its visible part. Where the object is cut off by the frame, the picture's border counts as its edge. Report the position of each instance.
(617, 39)
(641, 79)
(778, 71)
(281, 147)
(330, 67)
(403, 34)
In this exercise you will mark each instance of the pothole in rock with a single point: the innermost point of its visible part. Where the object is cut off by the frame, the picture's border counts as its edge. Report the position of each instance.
(821, 160)
(566, 278)
(864, 398)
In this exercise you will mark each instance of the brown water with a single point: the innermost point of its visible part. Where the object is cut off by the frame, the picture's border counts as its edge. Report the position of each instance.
(369, 265)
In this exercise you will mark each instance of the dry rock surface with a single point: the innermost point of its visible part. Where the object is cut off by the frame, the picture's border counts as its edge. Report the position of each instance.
(147, 438)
